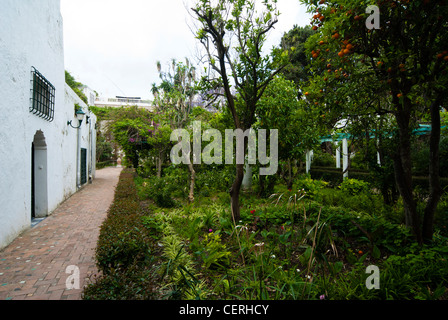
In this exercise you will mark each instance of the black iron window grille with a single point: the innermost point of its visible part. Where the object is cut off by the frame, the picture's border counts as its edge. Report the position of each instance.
(42, 96)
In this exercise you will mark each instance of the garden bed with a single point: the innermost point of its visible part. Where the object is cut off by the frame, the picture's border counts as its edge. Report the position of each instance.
(309, 243)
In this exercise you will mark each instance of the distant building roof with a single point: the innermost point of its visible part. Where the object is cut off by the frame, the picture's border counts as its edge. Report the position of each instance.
(120, 101)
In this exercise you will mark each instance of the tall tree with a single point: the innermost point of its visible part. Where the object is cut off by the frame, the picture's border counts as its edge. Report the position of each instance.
(174, 97)
(233, 33)
(298, 131)
(294, 41)
(405, 58)
(175, 94)
(130, 127)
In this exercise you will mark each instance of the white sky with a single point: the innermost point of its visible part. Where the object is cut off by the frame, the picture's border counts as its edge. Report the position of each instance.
(113, 45)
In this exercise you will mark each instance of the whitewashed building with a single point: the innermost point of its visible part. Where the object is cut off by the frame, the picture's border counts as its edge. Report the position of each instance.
(44, 158)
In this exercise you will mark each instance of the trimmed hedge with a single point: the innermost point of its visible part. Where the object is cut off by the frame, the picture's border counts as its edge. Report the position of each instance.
(334, 177)
(122, 241)
(123, 253)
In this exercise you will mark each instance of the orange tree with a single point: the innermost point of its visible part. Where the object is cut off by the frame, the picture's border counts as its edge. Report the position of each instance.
(399, 69)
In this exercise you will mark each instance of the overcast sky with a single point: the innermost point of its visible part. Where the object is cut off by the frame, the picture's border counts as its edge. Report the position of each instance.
(113, 45)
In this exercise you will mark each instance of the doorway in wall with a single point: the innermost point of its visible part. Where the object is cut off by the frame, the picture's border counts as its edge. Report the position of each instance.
(33, 188)
(39, 174)
(83, 166)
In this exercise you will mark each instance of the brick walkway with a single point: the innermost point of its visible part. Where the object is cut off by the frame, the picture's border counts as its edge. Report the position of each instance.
(34, 265)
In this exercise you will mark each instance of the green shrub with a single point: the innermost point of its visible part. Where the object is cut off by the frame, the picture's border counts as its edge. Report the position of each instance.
(353, 226)
(133, 283)
(346, 285)
(122, 239)
(420, 274)
(124, 253)
(310, 186)
(330, 175)
(122, 242)
(214, 253)
(323, 159)
(160, 190)
(441, 215)
(354, 186)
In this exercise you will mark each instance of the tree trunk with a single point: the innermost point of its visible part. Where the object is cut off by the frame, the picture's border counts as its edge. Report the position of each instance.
(192, 181)
(135, 159)
(434, 181)
(403, 171)
(387, 188)
(235, 192)
(159, 165)
(289, 184)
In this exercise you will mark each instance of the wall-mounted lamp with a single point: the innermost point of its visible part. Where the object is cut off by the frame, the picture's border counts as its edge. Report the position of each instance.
(80, 116)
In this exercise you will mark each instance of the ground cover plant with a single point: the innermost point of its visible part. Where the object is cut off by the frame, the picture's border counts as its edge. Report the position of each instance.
(309, 242)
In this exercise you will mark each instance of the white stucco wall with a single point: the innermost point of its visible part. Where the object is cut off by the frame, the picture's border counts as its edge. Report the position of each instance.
(87, 130)
(31, 35)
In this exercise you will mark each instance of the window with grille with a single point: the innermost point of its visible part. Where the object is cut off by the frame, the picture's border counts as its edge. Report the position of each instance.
(42, 96)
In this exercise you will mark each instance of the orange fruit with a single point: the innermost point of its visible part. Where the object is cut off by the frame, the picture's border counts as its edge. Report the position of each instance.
(314, 28)
(399, 95)
(341, 54)
(349, 46)
(445, 58)
(440, 56)
(346, 51)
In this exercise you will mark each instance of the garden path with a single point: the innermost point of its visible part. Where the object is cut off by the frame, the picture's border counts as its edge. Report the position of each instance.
(34, 265)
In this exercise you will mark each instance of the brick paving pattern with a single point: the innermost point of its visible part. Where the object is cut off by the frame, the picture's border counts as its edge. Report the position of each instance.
(34, 265)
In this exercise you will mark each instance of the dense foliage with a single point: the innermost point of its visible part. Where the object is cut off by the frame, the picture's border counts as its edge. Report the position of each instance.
(76, 86)
(179, 231)
(311, 242)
